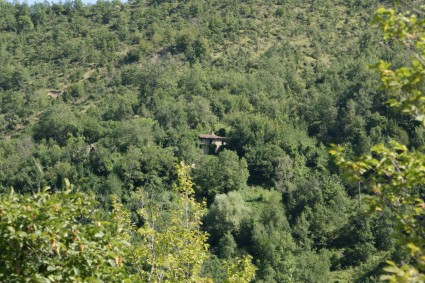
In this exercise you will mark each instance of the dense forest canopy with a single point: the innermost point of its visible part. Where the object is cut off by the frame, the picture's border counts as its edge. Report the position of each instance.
(113, 95)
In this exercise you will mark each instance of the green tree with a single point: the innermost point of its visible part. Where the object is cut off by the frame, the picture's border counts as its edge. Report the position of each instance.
(393, 173)
(225, 216)
(264, 162)
(58, 237)
(58, 123)
(240, 270)
(175, 250)
(170, 246)
(220, 174)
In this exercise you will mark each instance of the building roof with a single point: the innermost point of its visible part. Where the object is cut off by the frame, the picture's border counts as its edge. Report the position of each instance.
(211, 136)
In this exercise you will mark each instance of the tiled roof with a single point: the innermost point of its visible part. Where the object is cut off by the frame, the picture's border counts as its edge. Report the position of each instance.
(211, 136)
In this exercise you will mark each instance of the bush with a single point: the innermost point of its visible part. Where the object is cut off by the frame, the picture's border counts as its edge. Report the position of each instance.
(59, 237)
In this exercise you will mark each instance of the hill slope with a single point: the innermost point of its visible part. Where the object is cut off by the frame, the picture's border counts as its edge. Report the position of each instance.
(111, 95)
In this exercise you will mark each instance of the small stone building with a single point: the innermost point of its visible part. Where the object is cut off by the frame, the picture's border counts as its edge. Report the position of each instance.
(211, 142)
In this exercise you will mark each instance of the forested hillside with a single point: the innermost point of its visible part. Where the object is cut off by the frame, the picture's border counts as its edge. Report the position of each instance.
(113, 95)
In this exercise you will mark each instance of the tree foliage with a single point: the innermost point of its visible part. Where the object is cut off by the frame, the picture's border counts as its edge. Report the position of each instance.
(111, 95)
(394, 173)
(175, 250)
(56, 237)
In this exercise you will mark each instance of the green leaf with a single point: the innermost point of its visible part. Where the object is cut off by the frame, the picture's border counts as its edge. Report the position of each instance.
(11, 229)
